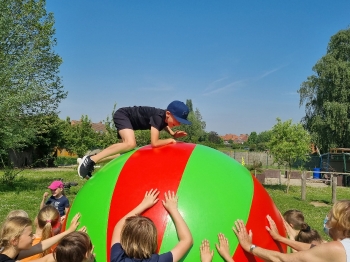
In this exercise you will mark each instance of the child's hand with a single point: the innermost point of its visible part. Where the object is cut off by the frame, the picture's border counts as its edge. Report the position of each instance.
(74, 223)
(206, 254)
(83, 229)
(45, 195)
(170, 202)
(179, 133)
(151, 197)
(223, 247)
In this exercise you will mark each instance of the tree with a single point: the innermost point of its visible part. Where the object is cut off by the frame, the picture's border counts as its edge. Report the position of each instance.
(196, 131)
(29, 81)
(289, 143)
(252, 138)
(80, 137)
(326, 95)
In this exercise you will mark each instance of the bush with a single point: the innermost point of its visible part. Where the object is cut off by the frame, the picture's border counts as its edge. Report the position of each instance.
(65, 161)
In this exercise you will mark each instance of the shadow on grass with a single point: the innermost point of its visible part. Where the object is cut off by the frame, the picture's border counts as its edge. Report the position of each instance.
(282, 188)
(25, 184)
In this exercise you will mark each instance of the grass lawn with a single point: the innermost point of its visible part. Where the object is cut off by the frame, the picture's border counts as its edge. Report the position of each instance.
(30, 185)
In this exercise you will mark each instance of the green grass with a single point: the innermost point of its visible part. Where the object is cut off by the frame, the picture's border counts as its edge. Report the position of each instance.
(29, 186)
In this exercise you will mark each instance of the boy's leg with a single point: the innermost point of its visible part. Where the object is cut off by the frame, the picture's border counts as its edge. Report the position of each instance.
(128, 143)
(108, 158)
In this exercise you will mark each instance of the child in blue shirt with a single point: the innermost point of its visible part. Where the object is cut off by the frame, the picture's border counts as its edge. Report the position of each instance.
(135, 237)
(128, 119)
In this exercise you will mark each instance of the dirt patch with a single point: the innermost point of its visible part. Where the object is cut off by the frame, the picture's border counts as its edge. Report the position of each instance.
(319, 204)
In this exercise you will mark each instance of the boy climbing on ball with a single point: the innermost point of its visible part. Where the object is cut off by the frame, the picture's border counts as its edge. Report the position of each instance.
(128, 119)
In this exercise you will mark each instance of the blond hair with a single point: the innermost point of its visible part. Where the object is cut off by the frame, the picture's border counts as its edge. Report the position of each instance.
(138, 237)
(17, 213)
(47, 218)
(340, 217)
(12, 229)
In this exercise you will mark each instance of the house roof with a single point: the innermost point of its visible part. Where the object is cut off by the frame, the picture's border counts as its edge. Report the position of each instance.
(97, 127)
(235, 138)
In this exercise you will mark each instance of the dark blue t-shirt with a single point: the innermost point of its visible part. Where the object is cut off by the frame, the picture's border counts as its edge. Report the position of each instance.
(118, 255)
(60, 204)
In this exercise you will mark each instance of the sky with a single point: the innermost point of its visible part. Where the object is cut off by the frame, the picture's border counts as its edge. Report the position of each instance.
(240, 62)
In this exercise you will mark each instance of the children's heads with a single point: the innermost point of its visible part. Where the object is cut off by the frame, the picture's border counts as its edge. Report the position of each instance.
(177, 113)
(308, 235)
(16, 232)
(139, 237)
(294, 218)
(17, 213)
(56, 188)
(75, 246)
(48, 218)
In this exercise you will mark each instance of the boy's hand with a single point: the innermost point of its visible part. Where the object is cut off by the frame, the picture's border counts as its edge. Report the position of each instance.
(170, 202)
(74, 223)
(151, 197)
(178, 134)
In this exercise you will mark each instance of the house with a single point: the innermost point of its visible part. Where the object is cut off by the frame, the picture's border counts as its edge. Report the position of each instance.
(234, 138)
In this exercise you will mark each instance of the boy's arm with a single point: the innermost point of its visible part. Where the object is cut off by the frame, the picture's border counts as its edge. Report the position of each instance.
(176, 134)
(156, 142)
(47, 243)
(151, 197)
(183, 232)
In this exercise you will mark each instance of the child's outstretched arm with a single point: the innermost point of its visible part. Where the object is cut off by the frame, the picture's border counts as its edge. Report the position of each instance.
(151, 197)
(47, 243)
(183, 232)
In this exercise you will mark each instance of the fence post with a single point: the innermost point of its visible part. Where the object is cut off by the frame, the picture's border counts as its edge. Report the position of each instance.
(303, 186)
(334, 189)
(279, 178)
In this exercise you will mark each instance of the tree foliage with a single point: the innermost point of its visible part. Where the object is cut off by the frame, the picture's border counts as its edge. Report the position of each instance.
(289, 143)
(29, 81)
(326, 95)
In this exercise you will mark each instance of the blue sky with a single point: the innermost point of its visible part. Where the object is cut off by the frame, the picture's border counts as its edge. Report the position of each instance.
(241, 62)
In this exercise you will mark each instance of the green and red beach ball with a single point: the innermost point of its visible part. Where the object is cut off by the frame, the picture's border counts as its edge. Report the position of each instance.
(214, 190)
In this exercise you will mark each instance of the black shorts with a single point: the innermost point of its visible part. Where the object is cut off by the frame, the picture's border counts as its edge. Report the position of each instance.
(121, 120)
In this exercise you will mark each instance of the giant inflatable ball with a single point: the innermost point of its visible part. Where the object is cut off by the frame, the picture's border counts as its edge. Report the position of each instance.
(214, 190)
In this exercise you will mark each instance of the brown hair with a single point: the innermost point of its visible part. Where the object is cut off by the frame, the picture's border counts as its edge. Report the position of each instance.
(308, 235)
(138, 237)
(73, 247)
(295, 218)
(12, 229)
(340, 217)
(48, 217)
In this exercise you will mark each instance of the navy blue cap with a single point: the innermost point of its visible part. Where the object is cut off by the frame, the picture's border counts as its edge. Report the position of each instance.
(180, 111)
